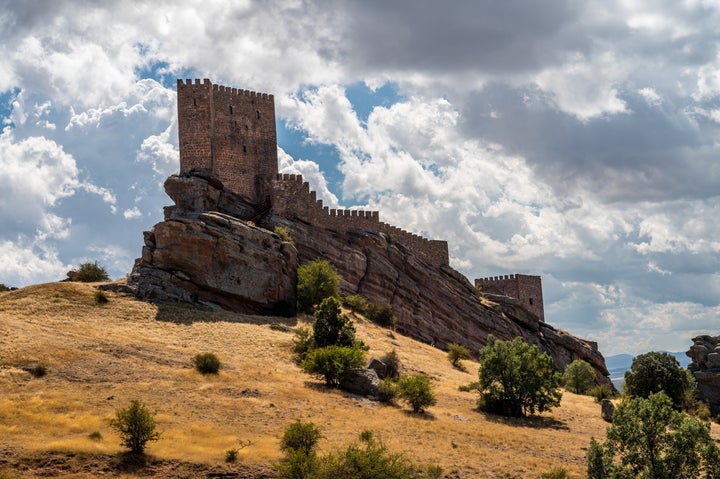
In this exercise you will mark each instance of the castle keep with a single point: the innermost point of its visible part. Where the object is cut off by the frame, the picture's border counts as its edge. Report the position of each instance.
(231, 132)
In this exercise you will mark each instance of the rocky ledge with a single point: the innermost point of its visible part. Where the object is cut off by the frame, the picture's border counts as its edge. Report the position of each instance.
(209, 251)
(705, 366)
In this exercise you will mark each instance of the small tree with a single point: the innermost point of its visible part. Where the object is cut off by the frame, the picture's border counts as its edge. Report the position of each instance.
(298, 444)
(136, 426)
(654, 372)
(300, 436)
(317, 280)
(333, 363)
(381, 315)
(331, 327)
(579, 376)
(456, 352)
(516, 379)
(88, 273)
(649, 439)
(417, 391)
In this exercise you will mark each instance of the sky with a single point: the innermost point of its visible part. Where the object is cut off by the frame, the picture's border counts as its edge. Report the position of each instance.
(576, 140)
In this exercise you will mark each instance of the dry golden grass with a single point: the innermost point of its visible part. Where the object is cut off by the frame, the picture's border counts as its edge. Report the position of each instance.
(99, 357)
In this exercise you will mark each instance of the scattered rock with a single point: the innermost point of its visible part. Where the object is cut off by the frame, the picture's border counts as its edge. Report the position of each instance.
(361, 381)
(705, 366)
(379, 367)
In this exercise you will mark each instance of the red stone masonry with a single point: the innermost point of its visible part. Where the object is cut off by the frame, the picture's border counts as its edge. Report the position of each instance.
(232, 132)
(526, 289)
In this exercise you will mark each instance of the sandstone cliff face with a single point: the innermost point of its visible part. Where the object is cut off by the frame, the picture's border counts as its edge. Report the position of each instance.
(197, 254)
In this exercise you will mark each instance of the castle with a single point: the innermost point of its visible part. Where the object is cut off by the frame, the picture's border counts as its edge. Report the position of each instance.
(231, 132)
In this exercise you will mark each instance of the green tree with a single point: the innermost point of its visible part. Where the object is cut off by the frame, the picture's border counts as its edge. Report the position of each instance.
(317, 280)
(369, 461)
(88, 273)
(579, 376)
(456, 352)
(136, 426)
(417, 390)
(298, 443)
(331, 327)
(654, 372)
(333, 363)
(516, 379)
(648, 439)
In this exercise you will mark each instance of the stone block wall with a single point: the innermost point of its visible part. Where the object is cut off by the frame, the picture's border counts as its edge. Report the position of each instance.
(231, 132)
(293, 198)
(525, 288)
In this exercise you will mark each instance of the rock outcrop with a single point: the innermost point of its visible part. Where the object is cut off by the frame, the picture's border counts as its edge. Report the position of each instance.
(705, 366)
(205, 251)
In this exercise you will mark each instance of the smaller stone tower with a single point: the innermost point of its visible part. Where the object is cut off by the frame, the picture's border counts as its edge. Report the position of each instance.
(231, 132)
(526, 289)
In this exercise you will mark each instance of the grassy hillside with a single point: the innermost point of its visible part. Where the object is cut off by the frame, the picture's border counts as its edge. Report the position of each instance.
(99, 357)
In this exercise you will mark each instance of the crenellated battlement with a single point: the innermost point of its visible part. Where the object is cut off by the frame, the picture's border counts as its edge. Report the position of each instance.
(525, 288)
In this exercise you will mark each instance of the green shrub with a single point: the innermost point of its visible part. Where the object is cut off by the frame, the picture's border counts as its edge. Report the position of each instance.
(366, 435)
(206, 363)
(303, 341)
(417, 390)
(300, 436)
(4, 288)
(371, 459)
(317, 281)
(387, 390)
(392, 361)
(101, 297)
(231, 455)
(333, 363)
(381, 315)
(466, 388)
(283, 234)
(456, 352)
(95, 436)
(654, 372)
(136, 426)
(331, 327)
(649, 439)
(702, 411)
(434, 472)
(37, 371)
(356, 303)
(88, 273)
(516, 379)
(555, 473)
(578, 377)
(297, 465)
(601, 391)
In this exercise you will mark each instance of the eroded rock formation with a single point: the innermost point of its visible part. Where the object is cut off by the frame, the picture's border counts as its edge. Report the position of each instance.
(705, 366)
(206, 251)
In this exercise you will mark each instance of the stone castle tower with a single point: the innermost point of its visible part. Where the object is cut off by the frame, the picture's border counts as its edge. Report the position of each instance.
(525, 288)
(231, 132)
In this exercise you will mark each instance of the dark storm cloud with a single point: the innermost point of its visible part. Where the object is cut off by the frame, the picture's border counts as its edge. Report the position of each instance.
(503, 37)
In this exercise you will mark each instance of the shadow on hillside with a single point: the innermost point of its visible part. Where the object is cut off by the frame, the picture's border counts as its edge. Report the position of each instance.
(535, 422)
(188, 314)
(424, 415)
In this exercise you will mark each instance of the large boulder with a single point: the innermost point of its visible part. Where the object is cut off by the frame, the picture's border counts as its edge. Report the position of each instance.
(364, 382)
(705, 366)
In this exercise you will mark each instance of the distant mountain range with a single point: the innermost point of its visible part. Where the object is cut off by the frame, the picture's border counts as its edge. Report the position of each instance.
(619, 363)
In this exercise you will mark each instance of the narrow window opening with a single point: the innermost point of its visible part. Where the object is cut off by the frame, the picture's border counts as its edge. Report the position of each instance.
(244, 149)
(246, 127)
(230, 110)
(257, 114)
(194, 102)
(531, 302)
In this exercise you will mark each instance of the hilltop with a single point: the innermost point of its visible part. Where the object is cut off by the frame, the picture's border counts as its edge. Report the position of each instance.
(99, 357)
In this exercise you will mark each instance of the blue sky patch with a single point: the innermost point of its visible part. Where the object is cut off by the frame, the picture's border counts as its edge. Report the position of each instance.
(364, 99)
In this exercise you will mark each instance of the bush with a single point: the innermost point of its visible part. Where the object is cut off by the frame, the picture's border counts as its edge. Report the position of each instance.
(653, 372)
(392, 361)
(650, 439)
(331, 327)
(456, 352)
(556, 473)
(101, 297)
(297, 465)
(333, 363)
(136, 426)
(298, 444)
(283, 234)
(434, 472)
(417, 391)
(516, 379)
(387, 391)
(601, 391)
(88, 273)
(381, 315)
(38, 370)
(579, 376)
(356, 303)
(303, 341)
(300, 436)
(4, 288)
(206, 363)
(231, 455)
(369, 460)
(317, 281)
